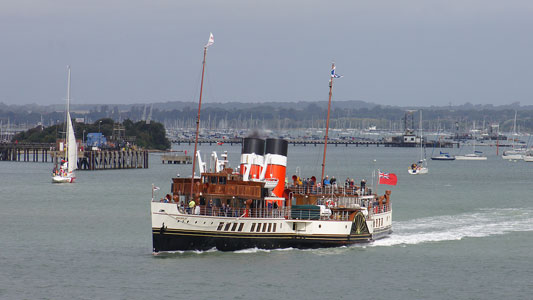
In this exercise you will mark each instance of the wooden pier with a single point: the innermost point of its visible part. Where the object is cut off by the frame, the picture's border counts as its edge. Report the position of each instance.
(87, 160)
(113, 159)
(25, 152)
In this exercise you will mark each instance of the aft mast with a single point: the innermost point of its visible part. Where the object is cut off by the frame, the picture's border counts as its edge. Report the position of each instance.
(209, 43)
(333, 75)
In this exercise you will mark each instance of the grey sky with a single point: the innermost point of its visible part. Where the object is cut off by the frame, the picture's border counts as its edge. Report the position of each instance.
(417, 52)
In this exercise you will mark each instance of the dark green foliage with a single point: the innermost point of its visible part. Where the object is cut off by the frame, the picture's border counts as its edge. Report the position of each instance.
(147, 136)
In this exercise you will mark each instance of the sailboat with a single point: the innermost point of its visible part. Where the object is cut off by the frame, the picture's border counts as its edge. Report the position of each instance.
(420, 167)
(442, 155)
(476, 155)
(65, 172)
(515, 153)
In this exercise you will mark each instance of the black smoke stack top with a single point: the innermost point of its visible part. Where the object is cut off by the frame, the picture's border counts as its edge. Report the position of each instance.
(277, 146)
(253, 145)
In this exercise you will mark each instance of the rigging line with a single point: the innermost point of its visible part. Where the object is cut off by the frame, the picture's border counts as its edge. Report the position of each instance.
(195, 91)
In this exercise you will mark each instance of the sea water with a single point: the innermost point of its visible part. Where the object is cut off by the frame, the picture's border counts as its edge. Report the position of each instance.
(464, 231)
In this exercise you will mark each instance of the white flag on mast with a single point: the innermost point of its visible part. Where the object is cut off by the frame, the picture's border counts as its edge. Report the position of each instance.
(211, 40)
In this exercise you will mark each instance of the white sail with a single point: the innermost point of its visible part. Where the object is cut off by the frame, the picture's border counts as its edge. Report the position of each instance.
(72, 156)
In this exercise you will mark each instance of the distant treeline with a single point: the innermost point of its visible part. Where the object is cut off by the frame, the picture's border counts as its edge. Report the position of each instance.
(147, 136)
(288, 115)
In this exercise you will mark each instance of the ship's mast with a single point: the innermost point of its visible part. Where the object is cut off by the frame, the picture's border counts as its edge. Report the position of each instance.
(209, 43)
(327, 123)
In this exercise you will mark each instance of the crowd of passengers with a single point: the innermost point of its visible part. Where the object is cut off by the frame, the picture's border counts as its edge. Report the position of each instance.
(225, 210)
(311, 186)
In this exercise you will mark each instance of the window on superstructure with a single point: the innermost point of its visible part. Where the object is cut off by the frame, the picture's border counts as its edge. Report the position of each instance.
(220, 226)
(222, 180)
(258, 227)
(241, 226)
(253, 227)
(274, 228)
(269, 227)
(264, 227)
(234, 226)
(227, 227)
(213, 179)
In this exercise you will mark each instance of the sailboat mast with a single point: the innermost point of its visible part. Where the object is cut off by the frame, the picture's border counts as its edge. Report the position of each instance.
(421, 137)
(67, 114)
(474, 136)
(327, 125)
(198, 124)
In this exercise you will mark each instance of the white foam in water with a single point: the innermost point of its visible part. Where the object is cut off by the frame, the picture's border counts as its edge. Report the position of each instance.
(484, 222)
(257, 250)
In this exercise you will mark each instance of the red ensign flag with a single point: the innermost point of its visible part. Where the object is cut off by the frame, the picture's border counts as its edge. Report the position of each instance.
(387, 178)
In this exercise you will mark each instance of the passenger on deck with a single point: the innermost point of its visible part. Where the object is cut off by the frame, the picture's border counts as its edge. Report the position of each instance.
(326, 181)
(210, 207)
(192, 204)
(333, 182)
(227, 211)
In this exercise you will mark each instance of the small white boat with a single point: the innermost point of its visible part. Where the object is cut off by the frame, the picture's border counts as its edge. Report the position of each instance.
(471, 156)
(65, 172)
(514, 154)
(68, 178)
(421, 167)
(528, 156)
(418, 169)
(476, 155)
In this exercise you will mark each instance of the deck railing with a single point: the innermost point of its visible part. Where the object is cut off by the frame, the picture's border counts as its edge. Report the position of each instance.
(282, 212)
(329, 189)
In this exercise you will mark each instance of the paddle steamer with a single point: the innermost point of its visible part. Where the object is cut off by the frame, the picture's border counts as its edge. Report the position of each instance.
(256, 207)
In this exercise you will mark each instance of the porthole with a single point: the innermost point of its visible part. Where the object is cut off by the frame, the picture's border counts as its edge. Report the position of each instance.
(319, 225)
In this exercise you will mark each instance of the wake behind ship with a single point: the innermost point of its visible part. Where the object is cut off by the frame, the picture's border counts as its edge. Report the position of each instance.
(256, 208)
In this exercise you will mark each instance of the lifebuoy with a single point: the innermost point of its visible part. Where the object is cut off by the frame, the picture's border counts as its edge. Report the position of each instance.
(330, 203)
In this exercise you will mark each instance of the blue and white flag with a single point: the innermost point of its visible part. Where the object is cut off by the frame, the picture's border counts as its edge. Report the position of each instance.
(333, 74)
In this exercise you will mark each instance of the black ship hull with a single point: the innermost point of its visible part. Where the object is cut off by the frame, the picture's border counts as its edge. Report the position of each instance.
(175, 240)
